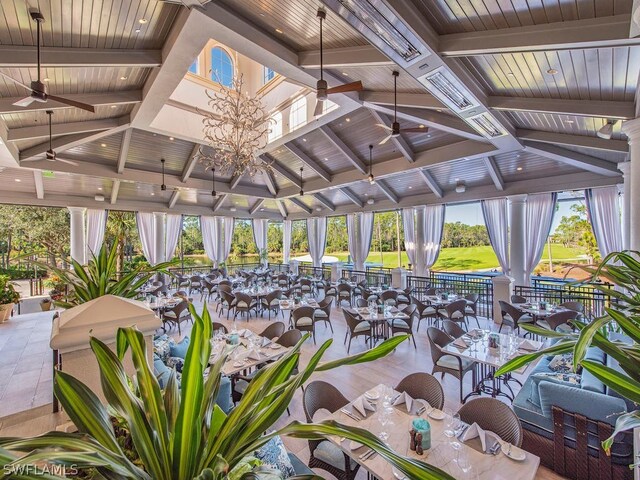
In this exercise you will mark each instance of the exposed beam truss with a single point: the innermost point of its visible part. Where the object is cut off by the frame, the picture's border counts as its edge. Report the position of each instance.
(256, 206)
(234, 181)
(282, 208)
(573, 140)
(344, 149)
(384, 188)
(37, 179)
(191, 163)
(115, 189)
(42, 131)
(95, 99)
(301, 204)
(575, 159)
(281, 170)
(584, 108)
(174, 198)
(124, 150)
(598, 32)
(13, 56)
(494, 172)
(347, 192)
(412, 100)
(270, 182)
(308, 161)
(401, 144)
(217, 203)
(325, 201)
(431, 182)
(360, 56)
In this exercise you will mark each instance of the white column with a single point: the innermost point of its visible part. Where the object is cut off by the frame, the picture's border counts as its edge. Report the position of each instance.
(399, 278)
(517, 205)
(336, 271)
(626, 203)
(78, 235)
(420, 269)
(502, 290)
(159, 235)
(632, 129)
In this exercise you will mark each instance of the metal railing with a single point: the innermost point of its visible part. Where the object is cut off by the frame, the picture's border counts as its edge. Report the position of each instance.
(279, 267)
(373, 278)
(36, 287)
(459, 283)
(307, 269)
(558, 291)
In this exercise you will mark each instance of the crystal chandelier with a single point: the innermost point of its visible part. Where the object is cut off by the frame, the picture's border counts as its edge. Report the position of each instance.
(236, 127)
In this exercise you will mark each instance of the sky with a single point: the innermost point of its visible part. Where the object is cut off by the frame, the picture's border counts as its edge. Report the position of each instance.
(471, 213)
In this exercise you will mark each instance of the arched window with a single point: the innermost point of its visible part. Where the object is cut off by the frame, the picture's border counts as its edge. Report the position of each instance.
(195, 66)
(221, 67)
(276, 127)
(267, 75)
(298, 113)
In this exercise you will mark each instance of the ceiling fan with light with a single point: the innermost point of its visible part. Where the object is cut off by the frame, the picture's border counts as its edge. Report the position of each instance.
(38, 89)
(50, 154)
(322, 89)
(395, 126)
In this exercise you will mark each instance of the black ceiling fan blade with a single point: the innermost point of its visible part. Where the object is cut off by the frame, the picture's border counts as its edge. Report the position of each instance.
(73, 103)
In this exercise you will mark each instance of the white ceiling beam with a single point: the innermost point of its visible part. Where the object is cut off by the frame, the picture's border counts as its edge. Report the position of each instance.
(575, 159)
(494, 172)
(37, 179)
(359, 56)
(115, 189)
(281, 170)
(217, 204)
(581, 108)
(347, 192)
(191, 163)
(174, 198)
(400, 142)
(431, 182)
(42, 131)
(325, 201)
(447, 153)
(308, 161)
(384, 188)
(601, 32)
(344, 149)
(256, 206)
(301, 204)
(270, 182)
(13, 56)
(96, 99)
(234, 181)
(413, 100)
(282, 208)
(124, 150)
(573, 140)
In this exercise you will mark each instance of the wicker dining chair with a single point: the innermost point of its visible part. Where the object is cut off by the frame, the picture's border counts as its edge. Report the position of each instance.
(244, 304)
(195, 284)
(368, 296)
(290, 338)
(518, 299)
(454, 311)
(573, 305)
(317, 396)
(471, 309)
(361, 303)
(559, 321)
(424, 386)
(228, 301)
(356, 327)
(273, 330)
(161, 290)
(323, 311)
(306, 286)
(208, 290)
(344, 293)
(330, 290)
(426, 310)
(218, 327)
(493, 415)
(271, 302)
(453, 329)
(302, 318)
(404, 296)
(445, 363)
(405, 325)
(512, 316)
(431, 291)
(389, 297)
(177, 314)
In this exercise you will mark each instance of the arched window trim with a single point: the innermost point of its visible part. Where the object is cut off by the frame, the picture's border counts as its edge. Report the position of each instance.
(276, 126)
(231, 60)
(298, 113)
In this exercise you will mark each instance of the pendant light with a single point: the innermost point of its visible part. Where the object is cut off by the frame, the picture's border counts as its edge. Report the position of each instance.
(213, 182)
(163, 187)
(301, 189)
(372, 179)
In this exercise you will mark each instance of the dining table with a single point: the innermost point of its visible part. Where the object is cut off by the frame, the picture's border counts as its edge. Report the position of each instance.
(240, 358)
(441, 454)
(489, 360)
(379, 321)
(287, 305)
(536, 310)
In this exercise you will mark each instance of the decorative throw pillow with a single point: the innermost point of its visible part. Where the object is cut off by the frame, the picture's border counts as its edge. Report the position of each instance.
(175, 362)
(568, 379)
(179, 349)
(562, 363)
(275, 455)
(161, 346)
(160, 370)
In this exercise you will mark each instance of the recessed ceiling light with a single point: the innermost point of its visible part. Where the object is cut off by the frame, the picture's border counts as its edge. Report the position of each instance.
(420, 126)
(279, 31)
(325, 159)
(142, 21)
(123, 78)
(366, 194)
(113, 106)
(552, 71)
(519, 169)
(304, 139)
(103, 144)
(261, 14)
(99, 188)
(510, 74)
(439, 110)
(232, 209)
(171, 138)
(18, 180)
(348, 119)
(345, 74)
(569, 121)
(137, 30)
(45, 79)
(152, 194)
(410, 187)
(262, 209)
(318, 209)
(428, 135)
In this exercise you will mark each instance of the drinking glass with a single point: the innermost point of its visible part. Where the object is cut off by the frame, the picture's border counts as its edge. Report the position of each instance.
(464, 462)
(456, 425)
(448, 423)
(475, 338)
(384, 418)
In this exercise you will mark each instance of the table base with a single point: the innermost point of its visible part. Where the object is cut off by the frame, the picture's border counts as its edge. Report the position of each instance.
(489, 384)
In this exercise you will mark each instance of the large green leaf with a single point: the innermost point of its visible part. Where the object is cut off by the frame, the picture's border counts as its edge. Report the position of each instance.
(625, 422)
(522, 360)
(625, 386)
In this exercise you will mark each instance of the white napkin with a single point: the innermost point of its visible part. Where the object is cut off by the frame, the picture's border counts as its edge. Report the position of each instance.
(253, 354)
(265, 342)
(362, 405)
(405, 398)
(459, 342)
(354, 445)
(527, 345)
(487, 439)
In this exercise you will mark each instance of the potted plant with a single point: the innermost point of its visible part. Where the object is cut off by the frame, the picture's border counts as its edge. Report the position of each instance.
(264, 257)
(8, 297)
(180, 433)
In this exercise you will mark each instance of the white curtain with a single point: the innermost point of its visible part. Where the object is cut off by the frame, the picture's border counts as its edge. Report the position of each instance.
(172, 235)
(496, 219)
(286, 241)
(432, 235)
(603, 208)
(409, 227)
(260, 226)
(227, 224)
(359, 233)
(96, 224)
(317, 238)
(210, 235)
(146, 231)
(538, 219)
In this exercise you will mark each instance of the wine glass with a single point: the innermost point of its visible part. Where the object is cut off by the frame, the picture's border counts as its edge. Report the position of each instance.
(464, 462)
(456, 425)
(385, 420)
(475, 338)
(448, 423)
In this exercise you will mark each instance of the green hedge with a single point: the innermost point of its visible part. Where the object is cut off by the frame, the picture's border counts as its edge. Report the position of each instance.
(15, 273)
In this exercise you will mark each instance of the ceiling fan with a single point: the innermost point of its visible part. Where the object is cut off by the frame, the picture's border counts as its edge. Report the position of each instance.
(322, 89)
(163, 186)
(38, 89)
(50, 154)
(395, 126)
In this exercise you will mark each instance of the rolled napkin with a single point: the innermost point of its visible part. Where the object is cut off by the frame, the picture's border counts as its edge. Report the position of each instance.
(362, 405)
(488, 439)
(460, 343)
(405, 398)
(527, 345)
(265, 342)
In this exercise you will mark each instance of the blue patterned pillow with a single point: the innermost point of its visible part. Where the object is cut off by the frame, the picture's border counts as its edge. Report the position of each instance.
(179, 349)
(275, 455)
(160, 370)
(162, 346)
(568, 379)
(175, 362)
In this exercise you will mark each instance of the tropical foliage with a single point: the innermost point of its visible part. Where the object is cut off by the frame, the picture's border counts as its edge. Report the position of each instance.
(101, 277)
(622, 271)
(181, 434)
(8, 293)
